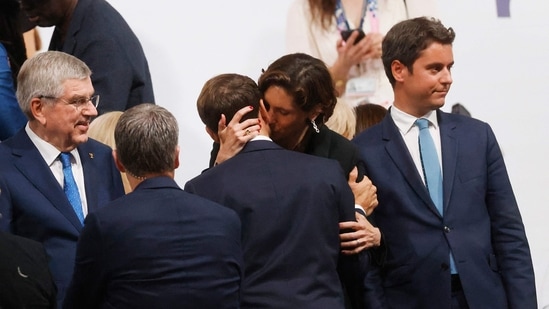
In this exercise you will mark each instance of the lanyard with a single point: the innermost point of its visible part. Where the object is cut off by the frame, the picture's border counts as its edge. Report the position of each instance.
(369, 9)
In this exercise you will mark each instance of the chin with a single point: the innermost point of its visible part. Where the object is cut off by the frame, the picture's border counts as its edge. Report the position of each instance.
(81, 139)
(439, 103)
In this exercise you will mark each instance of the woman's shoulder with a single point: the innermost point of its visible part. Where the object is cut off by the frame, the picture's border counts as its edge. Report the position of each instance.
(332, 145)
(337, 140)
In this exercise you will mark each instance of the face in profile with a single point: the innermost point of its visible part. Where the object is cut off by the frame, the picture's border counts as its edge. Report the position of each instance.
(287, 122)
(46, 13)
(66, 124)
(430, 81)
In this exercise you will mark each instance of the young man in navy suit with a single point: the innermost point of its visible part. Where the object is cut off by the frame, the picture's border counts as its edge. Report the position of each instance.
(158, 246)
(471, 251)
(56, 94)
(290, 205)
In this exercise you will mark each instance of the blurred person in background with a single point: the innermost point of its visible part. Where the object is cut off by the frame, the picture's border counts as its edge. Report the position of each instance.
(94, 32)
(12, 56)
(347, 35)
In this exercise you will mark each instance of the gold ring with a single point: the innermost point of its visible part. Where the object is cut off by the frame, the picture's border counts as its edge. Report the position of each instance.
(247, 132)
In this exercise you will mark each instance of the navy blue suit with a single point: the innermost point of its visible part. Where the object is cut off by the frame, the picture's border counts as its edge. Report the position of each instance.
(290, 205)
(33, 204)
(158, 247)
(99, 36)
(481, 225)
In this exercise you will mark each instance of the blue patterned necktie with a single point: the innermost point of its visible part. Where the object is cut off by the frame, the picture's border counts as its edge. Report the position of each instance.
(431, 171)
(70, 187)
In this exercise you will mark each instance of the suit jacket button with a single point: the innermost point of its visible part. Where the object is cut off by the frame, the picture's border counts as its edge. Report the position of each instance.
(446, 229)
(444, 266)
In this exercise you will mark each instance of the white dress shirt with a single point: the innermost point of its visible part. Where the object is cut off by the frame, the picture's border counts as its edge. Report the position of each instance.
(410, 134)
(50, 154)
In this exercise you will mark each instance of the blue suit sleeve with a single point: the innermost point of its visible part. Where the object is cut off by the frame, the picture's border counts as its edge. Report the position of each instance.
(12, 118)
(508, 234)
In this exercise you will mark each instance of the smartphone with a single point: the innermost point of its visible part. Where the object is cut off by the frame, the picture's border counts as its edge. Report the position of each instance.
(345, 34)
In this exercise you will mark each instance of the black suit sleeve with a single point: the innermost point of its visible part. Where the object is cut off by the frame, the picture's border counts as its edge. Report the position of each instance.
(26, 280)
(87, 286)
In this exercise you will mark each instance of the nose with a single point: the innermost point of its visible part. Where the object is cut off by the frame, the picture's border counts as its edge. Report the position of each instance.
(446, 77)
(89, 109)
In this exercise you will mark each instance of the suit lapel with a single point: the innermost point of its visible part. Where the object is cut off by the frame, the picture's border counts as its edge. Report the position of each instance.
(87, 157)
(69, 45)
(397, 150)
(31, 164)
(449, 154)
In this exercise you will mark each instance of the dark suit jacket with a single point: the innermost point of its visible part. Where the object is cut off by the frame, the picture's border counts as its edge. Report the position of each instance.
(330, 144)
(25, 279)
(33, 204)
(99, 36)
(158, 247)
(290, 205)
(482, 225)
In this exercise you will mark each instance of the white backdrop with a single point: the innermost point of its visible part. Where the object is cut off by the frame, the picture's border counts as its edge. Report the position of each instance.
(500, 75)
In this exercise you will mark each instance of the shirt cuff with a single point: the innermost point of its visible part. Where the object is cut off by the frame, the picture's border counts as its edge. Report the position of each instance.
(360, 210)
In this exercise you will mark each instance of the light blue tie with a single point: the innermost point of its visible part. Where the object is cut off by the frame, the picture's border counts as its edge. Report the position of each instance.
(430, 163)
(70, 187)
(431, 171)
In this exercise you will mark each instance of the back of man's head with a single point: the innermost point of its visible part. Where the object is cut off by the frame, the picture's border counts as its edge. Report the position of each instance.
(146, 138)
(226, 94)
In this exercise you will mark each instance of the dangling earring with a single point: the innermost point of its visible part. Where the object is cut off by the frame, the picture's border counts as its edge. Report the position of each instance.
(315, 127)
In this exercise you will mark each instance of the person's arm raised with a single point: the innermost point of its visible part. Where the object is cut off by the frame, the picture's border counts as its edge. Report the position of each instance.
(233, 136)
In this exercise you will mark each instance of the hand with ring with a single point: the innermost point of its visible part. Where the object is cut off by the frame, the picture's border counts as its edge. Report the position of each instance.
(360, 235)
(234, 135)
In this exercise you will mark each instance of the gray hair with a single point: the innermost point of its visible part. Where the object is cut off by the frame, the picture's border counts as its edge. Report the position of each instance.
(44, 75)
(146, 139)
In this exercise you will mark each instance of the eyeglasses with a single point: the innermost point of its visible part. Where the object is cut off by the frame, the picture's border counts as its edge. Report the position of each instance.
(78, 103)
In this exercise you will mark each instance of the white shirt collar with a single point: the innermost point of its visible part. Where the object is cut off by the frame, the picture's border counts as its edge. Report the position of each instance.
(405, 122)
(261, 138)
(47, 150)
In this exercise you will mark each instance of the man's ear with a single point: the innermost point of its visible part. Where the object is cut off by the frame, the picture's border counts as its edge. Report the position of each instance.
(119, 165)
(176, 161)
(213, 135)
(399, 70)
(263, 116)
(263, 113)
(37, 108)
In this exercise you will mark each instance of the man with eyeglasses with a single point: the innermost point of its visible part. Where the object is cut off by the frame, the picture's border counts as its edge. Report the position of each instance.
(51, 174)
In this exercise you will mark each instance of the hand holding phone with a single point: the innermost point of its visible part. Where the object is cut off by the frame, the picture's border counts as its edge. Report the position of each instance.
(345, 34)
